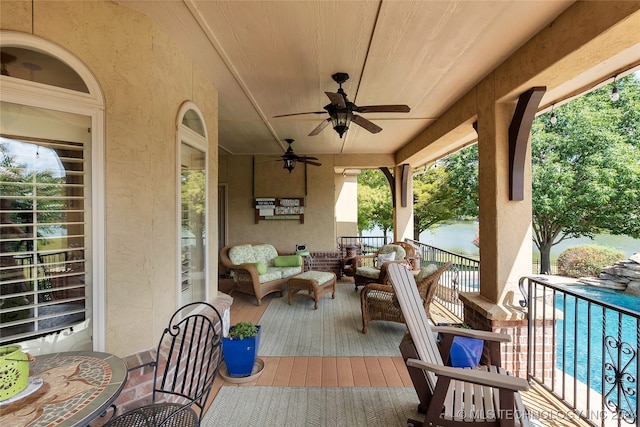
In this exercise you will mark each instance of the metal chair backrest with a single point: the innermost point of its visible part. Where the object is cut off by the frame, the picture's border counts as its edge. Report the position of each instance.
(189, 355)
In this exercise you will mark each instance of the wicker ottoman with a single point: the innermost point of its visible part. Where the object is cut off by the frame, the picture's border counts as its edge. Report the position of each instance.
(312, 285)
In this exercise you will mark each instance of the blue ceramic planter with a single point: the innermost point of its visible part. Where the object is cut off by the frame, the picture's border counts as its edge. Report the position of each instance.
(240, 355)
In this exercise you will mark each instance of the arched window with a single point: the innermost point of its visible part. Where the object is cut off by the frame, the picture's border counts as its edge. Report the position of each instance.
(193, 204)
(51, 230)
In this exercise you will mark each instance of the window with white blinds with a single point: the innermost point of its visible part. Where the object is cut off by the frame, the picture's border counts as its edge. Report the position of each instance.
(43, 238)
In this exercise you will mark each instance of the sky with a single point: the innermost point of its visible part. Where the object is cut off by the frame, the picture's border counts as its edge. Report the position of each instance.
(36, 157)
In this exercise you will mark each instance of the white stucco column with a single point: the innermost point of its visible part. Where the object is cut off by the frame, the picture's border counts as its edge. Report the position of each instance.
(346, 204)
(403, 215)
(505, 226)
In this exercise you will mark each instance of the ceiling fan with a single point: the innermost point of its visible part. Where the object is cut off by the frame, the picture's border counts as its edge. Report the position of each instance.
(341, 111)
(290, 158)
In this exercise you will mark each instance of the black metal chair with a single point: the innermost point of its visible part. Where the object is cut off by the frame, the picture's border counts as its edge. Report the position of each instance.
(187, 361)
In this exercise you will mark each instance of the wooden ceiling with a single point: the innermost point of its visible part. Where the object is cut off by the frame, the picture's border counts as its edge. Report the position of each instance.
(270, 58)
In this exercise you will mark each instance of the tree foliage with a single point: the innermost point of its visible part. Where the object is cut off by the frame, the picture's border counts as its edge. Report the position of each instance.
(585, 169)
(434, 201)
(375, 207)
(21, 185)
(462, 168)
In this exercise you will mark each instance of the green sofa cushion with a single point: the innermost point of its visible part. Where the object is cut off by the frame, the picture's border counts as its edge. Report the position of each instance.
(260, 266)
(288, 261)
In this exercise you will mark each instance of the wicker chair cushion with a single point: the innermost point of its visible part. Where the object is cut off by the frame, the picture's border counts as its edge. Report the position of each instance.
(369, 272)
(426, 272)
(396, 249)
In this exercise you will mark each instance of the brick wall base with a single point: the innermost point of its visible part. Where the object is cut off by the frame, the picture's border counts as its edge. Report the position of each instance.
(514, 354)
(327, 261)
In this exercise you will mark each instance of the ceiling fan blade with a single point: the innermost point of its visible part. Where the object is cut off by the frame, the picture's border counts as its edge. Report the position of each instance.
(383, 109)
(370, 126)
(336, 99)
(319, 128)
(299, 114)
(309, 162)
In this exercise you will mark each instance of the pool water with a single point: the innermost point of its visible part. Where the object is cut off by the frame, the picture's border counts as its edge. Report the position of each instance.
(585, 348)
(630, 302)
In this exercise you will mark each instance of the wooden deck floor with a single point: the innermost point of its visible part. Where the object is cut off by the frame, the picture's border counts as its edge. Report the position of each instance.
(364, 371)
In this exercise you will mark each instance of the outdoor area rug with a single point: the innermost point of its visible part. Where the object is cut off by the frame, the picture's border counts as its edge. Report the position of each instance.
(312, 406)
(334, 329)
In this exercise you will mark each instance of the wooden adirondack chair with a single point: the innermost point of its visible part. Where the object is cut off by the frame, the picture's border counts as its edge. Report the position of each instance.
(485, 396)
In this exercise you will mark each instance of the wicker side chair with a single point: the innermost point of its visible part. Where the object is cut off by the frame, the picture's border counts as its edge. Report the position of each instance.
(366, 270)
(378, 301)
(188, 357)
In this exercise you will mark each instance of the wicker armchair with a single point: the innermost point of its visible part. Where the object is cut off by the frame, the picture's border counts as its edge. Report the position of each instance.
(366, 270)
(378, 301)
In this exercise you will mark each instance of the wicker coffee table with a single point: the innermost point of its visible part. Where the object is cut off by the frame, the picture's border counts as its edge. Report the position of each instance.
(312, 285)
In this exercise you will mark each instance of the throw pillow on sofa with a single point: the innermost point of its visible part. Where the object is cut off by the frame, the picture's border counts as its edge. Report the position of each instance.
(260, 266)
(288, 261)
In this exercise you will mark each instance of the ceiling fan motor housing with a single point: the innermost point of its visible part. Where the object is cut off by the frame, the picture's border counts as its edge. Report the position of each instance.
(340, 77)
(341, 111)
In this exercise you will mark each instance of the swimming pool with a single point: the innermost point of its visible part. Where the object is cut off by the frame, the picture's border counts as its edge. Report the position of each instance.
(609, 296)
(598, 345)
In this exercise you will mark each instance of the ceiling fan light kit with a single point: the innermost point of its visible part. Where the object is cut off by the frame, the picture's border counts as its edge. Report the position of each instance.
(341, 111)
(289, 158)
(289, 164)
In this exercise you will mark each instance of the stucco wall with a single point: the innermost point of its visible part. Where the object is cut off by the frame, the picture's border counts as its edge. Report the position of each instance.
(145, 78)
(269, 179)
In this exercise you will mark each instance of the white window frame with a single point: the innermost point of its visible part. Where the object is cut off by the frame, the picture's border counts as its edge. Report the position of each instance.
(23, 92)
(188, 136)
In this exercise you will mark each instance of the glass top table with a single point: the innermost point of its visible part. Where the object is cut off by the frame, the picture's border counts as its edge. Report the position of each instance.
(76, 388)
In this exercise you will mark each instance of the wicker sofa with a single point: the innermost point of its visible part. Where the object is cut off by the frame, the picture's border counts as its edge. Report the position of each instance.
(259, 268)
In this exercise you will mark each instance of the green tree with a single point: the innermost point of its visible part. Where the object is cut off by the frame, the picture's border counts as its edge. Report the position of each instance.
(21, 185)
(374, 202)
(193, 215)
(434, 202)
(585, 169)
(462, 168)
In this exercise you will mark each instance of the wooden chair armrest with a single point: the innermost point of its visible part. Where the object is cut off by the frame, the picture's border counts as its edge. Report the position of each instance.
(474, 376)
(473, 333)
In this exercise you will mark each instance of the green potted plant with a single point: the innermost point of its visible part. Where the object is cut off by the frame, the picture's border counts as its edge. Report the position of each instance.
(240, 348)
